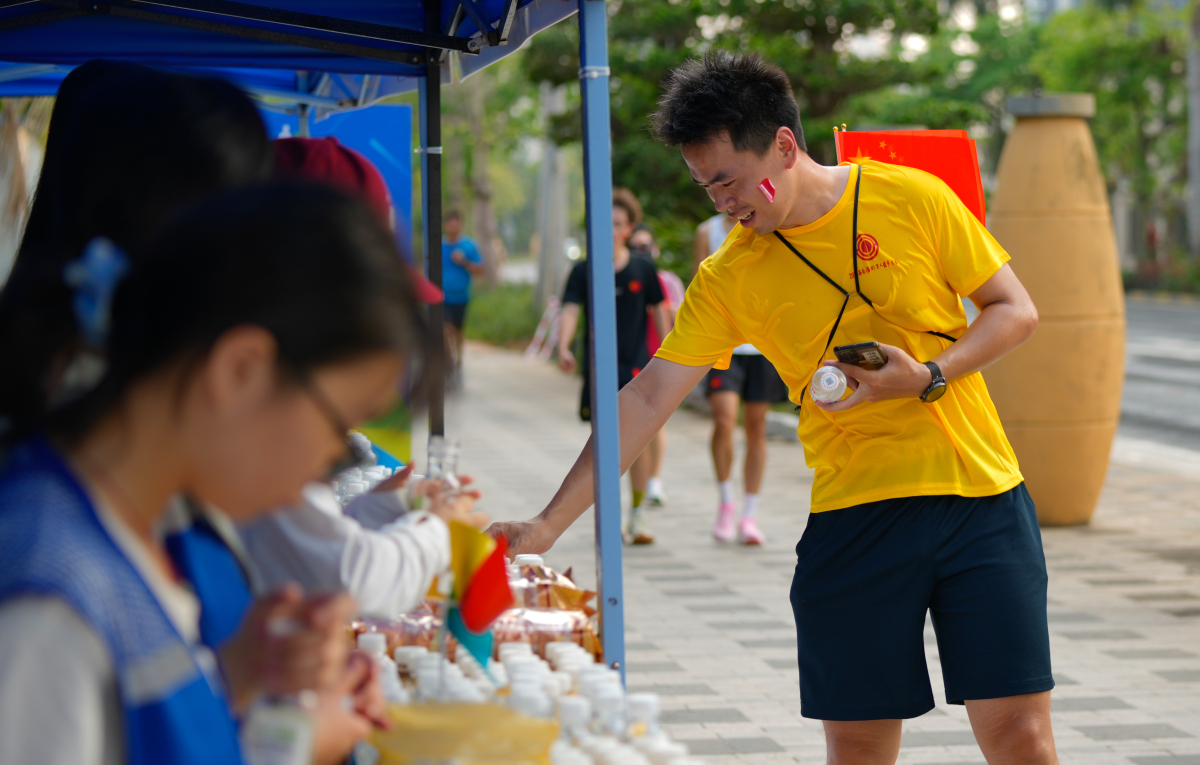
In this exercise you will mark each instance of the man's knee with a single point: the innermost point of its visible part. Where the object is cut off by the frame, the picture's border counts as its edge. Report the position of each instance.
(869, 742)
(1023, 739)
(1015, 730)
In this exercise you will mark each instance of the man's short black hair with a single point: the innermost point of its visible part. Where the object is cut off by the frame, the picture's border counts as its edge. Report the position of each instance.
(739, 93)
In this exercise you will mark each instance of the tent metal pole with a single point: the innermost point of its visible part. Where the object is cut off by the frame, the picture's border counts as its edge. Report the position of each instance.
(597, 166)
(430, 110)
(159, 10)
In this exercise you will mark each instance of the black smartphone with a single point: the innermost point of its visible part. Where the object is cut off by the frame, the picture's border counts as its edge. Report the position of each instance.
(865, 355)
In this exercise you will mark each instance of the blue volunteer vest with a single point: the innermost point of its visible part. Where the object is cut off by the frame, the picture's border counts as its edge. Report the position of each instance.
(205, 559)
(52, 544)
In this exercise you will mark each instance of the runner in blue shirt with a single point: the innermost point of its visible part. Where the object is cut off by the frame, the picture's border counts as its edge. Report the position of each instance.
(460, 261)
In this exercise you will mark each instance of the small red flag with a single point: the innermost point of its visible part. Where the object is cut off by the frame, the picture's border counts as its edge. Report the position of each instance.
(948, 154)
(487, 594)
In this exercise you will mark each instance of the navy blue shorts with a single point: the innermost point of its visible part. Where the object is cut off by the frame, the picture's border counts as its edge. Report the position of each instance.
(866, 577)
(454, 314)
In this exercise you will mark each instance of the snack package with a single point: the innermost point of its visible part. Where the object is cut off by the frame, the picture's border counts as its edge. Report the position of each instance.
(550, 608)
(543, 587)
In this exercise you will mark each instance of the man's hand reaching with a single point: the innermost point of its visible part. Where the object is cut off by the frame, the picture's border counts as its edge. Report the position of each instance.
(533, 536)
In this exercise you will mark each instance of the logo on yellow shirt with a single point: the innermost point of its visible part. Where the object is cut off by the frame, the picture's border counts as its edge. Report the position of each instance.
(868, 246)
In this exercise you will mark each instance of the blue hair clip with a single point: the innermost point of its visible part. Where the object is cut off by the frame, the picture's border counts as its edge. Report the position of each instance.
(94, 277)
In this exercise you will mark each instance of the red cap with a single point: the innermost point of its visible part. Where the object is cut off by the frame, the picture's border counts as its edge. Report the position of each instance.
(325, 159)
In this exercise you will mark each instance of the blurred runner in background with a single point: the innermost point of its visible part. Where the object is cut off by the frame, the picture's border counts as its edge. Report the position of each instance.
(642, 244)
(460, 261)
(638, 292)
(750, 378)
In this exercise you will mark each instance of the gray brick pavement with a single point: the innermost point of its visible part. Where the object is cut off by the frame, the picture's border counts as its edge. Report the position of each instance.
(1125, 629)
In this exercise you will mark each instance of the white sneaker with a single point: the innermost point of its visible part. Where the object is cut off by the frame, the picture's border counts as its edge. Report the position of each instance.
(638, 531)
(655, 496)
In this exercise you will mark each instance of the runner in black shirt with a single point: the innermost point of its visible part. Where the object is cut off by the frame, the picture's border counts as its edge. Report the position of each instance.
(638, 289)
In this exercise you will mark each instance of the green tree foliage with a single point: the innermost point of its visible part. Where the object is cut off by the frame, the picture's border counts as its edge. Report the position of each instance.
(975, 61)
(894, 63)
(811, 39)
(1133, 59)
(508, 111)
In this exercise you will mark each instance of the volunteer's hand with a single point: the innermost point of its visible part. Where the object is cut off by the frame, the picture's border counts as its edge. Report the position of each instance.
(396, 481)
(346, 713)
(533, 536)
(458, 257)
(287, 643)
(566, 360)
(901, 377)
(458, 506)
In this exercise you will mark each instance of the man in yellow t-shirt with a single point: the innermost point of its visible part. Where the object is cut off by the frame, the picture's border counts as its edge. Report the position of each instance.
(918, 505)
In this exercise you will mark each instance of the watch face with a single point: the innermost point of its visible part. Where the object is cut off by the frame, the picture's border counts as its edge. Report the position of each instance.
(935, 392)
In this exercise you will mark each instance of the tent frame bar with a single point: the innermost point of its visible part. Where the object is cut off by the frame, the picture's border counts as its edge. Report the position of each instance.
(602, 313)
(429, 115)
(356, 30)
(498, 36)
(28, 70)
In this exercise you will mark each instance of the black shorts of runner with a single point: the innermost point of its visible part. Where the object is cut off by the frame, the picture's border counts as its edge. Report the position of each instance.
(454, 314)
(625, 375)
(866, 577)
(750, 376)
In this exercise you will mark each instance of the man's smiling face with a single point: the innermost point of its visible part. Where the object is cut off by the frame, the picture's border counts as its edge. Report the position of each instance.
(731, 178)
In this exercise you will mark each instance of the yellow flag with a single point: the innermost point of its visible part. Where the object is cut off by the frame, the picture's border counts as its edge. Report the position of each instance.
(469, 548)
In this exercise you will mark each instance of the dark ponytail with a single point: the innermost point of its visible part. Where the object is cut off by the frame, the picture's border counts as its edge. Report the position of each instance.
(128, 148)
(309, 264)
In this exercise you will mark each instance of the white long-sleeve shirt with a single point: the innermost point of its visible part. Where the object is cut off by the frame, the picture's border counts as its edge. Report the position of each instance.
(319, 546)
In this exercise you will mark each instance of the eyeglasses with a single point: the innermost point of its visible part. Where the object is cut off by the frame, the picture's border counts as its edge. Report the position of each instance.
(355, 455)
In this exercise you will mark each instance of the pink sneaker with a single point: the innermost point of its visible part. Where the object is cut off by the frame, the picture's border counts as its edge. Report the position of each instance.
(748, 533)
(724, 531)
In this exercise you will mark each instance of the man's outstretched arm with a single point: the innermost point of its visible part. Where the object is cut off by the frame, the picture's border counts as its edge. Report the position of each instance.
(644, 404)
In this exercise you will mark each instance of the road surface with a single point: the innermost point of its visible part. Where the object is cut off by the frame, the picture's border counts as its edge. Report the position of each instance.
(1161, 399)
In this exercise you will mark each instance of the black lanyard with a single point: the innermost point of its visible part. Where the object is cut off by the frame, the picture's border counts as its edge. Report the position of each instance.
(838, 287)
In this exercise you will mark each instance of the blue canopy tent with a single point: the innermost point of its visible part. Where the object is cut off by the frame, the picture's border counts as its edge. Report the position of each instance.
(337, 54)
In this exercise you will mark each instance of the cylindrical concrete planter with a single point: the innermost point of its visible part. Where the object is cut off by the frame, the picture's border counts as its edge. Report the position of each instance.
(1059, 395)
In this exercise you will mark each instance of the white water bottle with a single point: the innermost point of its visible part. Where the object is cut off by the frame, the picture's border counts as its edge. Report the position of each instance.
(279, 731)
(443, 463)
(375, 644)
(828, 385)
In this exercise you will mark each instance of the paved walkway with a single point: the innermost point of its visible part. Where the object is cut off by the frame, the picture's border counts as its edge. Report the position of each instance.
(710, 627)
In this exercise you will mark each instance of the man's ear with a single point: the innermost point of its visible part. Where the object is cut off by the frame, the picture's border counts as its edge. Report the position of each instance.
(788, 147)
(240, 369)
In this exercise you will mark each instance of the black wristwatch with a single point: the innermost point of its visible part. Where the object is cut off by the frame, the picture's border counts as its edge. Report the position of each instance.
(937, 386)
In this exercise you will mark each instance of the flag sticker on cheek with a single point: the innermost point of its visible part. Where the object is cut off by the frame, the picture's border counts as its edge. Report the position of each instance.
(768, 189)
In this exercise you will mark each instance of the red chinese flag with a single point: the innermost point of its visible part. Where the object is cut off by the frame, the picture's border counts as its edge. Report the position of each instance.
(487, 594)
(948, 154)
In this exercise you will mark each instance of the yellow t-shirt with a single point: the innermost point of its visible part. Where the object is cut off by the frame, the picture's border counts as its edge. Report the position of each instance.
(920, 249)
